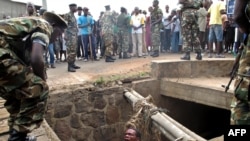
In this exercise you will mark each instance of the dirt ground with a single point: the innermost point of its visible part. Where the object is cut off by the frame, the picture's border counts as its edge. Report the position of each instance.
(96, 71)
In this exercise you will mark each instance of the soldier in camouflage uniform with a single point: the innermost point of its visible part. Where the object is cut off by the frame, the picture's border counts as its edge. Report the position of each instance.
(156, 25)
(22, 75)
(70, 37)
(190, 28)
(240, 106)
(123, 23)
(108, 21)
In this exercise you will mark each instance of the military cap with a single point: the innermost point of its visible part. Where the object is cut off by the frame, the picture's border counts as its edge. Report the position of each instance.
(107, 6)
(79, 8)
(55, 19)
(72, 4)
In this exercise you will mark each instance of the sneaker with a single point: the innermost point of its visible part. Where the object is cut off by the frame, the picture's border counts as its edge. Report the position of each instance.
(221, 56)
(85, 60)
(217, 56)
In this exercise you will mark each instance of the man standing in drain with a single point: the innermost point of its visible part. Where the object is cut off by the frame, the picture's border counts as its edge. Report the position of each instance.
(240, 106)
(23, 42)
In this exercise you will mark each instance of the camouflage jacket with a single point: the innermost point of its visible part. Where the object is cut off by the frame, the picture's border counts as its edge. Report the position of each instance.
(123, 22)
(72, 25)
(155, 14)
(195, 4)
(17, 34)
(108, 22)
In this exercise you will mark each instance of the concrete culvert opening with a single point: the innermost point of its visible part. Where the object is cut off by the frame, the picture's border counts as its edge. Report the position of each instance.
(86, 112)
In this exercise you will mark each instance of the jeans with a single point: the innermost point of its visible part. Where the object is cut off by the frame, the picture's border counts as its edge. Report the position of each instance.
(79, 50)
(51, 54)
(167, 39)
(175, 42)
(86, 41)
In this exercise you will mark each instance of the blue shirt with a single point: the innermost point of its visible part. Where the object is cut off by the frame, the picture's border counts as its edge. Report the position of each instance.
(82, 20)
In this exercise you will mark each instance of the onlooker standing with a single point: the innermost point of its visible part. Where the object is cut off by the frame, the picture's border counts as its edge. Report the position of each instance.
(85, 23)
(167, 29)
(137, 22)
(156, 25)
(202, 21)
(123, 23)
(175, 29)
(98, 36)
(148, 29)
(107, 22)
(80, 49)
(31, 10)
(70, 37)
(215, 29)
(190, 29)
(144, 48)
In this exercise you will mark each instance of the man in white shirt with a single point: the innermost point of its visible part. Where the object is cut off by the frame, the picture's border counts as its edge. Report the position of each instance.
(137, 22)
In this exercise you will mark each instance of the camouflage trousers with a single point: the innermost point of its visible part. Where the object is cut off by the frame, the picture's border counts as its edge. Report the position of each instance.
(108, 44)
(71, 44)
(25, 93)
(155, 37)
(190, 31)
(123, 41)
(240, 106)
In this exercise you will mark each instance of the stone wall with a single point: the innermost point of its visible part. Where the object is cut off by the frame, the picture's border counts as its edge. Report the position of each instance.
(88, 115)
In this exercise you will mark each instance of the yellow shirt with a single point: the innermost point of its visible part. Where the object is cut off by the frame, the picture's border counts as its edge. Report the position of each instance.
(214, 10)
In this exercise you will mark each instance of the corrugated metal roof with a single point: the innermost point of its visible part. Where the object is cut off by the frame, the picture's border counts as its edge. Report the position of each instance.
(36, 2)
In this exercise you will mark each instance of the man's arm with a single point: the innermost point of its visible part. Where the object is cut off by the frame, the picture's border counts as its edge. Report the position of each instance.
(239, 15)
(37, 62)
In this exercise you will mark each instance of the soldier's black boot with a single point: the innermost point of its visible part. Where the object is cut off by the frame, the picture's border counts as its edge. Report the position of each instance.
(120, 55)
(71, 68)
(186, 56)
(19, 136)
(199, 56)
(126, 56)
(109, 59)
(155, 54)
(75, 66)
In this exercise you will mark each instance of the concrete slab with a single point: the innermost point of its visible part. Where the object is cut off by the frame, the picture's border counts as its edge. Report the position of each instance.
(207, 91)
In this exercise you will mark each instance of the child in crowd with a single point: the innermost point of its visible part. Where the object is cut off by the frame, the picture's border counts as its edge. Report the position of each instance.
(63, 50)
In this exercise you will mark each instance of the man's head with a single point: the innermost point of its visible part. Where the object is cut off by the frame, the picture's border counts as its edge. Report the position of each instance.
(79, 10)
(136, 10)
(73, 7)
(150, 9)
(30, 8)
(123, 10)
(57, 22)
(85, 11)
(132, 134)
(167, 8)
(155, 3)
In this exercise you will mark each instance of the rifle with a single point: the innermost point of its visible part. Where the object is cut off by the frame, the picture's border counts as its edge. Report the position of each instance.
(234, 69)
